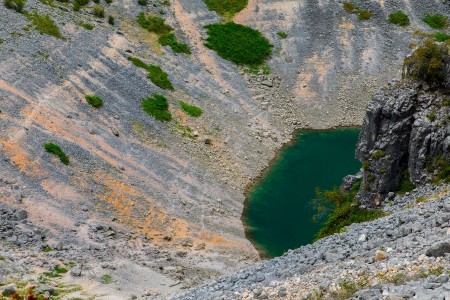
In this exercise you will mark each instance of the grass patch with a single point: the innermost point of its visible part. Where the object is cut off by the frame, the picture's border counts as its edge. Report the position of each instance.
(350, 7)
(441, 164)
(399, 18)
(47, 249)
(378, 154)
(98, 11)
(55, 149)
(427, 62)
(405, 184)
(364, 14)
(106, 279)
(192, 110)
(94, 101)
(87, 26)
(157, 107)
(441, 37)
(153, 24)
(262, 69)
(16, 5)
(436, 21)
(282, 34)
(344, 210)
(171, 41)
(111, 20)
(226, 8)
(155, 74)
(237, 43)
(78, 4)
(44, 24)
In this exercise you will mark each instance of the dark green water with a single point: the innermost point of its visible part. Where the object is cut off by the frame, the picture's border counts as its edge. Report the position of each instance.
(278, 214)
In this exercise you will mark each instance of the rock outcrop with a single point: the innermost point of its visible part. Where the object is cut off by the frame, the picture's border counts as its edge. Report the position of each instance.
(404, 131)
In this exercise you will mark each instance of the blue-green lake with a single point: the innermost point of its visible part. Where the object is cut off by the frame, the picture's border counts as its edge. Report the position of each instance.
(278, 215)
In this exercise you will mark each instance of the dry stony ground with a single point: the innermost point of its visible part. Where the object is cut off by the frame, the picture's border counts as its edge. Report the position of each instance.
(173, 203)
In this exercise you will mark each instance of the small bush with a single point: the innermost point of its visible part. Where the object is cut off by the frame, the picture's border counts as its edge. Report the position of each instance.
(171, 41)
(16, 5)
(106, 279)
(282, 34)
(405, 184)
(157, 107)
(44, 24)
(441, 37)
(94, 101)
(87, 26)
(431, 116)
(399, 18)
(364, 15)
(111, 20)
(428, 62)
(226, 8)
(143, 2)
(55, 149)
(191, 110)
(155, 74)
(60, 270)
(77, 4)
(153, 24)
(350, 7)
(378, 154)
(436, 21)
(237, 43)
(98, 11)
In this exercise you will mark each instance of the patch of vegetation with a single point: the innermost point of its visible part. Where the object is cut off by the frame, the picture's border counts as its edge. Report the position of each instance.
(78, 4)
(282, 34)
(94, 101)
(153, 24)
(399, 18)
(441, 37)
(55, 149)
(436, 21)
(364, 14)
(405, 184)
(191, 110)
(98, 11)
(350, 7)
(226, 8)
(378, 154)
(1, 41)
(44, 24)
(155, 74)
(171, 41)
(143, 2)
(87, 26)
(157, 107)
(16, 5)
(342, 210)
(428, 62)
(60, 270)
(106, 279)
(237, 43)
(441, 166)
(111, 20)
(262, 69)
(431, 116)
(184, 131)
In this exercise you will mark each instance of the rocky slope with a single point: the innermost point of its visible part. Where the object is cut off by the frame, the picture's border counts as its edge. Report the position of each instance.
(139, 190)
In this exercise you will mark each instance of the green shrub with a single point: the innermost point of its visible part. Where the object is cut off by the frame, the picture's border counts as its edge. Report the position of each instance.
(191, 110)
(153, 24)
(143, 2)
(364, 14)
(55, 149)
(87, 26)
(155, 74)
(405, 184)
(98, 11)
(282, 34)
(431, 116)
(436, 21)
(60, 270)
(237, 43)
(77, 4)
(441, 166)
(378, 154)
(350, 7)
(226, 8)
(111, 20)
(399, 18)
(94, 101)
(344, 210)
(441, 37)
(16, 5)
(44, 24)
(157, 107)
(171, 41)
(428, 62)
(106, 279)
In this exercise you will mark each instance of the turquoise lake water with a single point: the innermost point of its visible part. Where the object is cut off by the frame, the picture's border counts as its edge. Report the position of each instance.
(279, 213)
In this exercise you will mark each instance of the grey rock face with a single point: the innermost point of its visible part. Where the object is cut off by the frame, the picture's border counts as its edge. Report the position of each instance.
(398, 135)
(439, 249)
